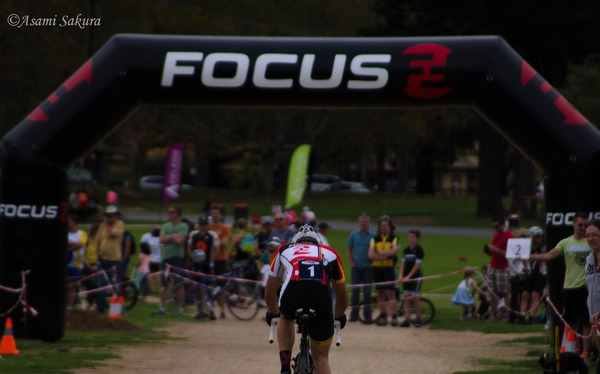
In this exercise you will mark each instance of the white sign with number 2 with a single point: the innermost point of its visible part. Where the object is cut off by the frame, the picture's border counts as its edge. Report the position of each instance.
(518, 247)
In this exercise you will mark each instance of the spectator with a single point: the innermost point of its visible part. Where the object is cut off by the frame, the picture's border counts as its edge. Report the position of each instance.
(360, 266)
(242, 249)
(223, 231)
(592, 235)
(411, 270)
(127, 249)
(518, 277)
(498, 271)
(463, 296)
(90, 266)
(383, 249)
(512, 223)
(173, 236)
(574, 293)
(536, 279)
(264, 235)
(152, 241)
(76, 246)
(142, 271)
(202, 240)
(324, 231)
(109, 238)
(281, 229)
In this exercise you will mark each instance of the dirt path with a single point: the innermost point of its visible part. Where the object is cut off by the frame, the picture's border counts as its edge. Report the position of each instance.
(230, 346)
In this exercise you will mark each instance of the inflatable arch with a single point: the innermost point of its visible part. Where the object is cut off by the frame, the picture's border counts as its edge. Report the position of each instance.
(482, 72)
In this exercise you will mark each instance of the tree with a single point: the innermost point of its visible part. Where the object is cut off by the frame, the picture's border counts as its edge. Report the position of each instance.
(548, 41)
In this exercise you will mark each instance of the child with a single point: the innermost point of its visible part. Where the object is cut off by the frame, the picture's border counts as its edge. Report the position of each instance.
(462, 296)
(411, 271)
(142, 269)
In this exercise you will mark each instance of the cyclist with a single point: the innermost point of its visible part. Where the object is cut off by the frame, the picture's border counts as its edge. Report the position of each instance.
(307, 272)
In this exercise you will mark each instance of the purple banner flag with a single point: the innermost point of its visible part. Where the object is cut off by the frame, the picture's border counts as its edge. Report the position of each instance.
(172, 177)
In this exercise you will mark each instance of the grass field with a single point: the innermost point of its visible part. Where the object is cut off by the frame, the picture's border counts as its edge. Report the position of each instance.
(83, 349)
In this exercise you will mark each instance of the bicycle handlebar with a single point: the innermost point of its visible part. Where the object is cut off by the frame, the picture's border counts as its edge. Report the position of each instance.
(273, 329)
(337, 329)
(275, 321)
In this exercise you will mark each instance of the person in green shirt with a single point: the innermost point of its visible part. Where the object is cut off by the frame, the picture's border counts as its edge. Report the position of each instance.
(173, 235)
(574, 249)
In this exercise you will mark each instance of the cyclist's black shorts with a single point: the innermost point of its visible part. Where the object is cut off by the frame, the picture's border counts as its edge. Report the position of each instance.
(313, 295)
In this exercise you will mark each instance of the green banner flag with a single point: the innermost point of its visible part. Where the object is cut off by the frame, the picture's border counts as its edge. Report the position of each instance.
(297, 175)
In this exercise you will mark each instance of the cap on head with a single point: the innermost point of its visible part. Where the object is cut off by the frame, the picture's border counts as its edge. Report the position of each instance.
(266, 220)
(111, 209)
(203, 220)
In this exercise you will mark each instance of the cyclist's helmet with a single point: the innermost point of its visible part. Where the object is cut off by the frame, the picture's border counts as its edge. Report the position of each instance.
(535, 231)
(307, 233)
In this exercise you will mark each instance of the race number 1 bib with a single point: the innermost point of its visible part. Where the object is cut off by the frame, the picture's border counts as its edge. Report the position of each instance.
(308, 270)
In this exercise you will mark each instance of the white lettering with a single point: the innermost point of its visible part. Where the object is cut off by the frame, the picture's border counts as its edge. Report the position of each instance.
(266, 73)
(170, 68)
(241, 61)
(357, 68)
(259, 77)
(26, 211)
(23, 211)
(337, 73)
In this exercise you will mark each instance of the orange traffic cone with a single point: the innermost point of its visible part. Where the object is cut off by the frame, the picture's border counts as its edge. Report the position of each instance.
(116, 307)
(569, 343)
(111, 309)
(8, 345)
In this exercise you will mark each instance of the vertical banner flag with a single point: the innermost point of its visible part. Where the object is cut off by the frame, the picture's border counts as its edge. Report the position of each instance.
(297, 175)
(172, 176)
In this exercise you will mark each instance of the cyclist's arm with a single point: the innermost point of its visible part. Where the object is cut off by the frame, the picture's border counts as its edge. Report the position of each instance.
(273, 284)
(554, 253)
(341, 298)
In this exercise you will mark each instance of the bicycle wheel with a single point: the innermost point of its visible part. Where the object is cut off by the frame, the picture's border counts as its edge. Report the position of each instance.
(303, 364)
(130, 295)
(243, 302)
(374, 308)
(186, 306)
(427, 307)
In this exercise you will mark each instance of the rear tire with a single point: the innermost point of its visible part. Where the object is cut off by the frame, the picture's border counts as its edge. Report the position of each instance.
(374, 311)
(242, 302)
(427, 307)
(189, 296)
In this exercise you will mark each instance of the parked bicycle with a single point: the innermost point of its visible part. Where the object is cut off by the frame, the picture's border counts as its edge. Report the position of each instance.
(126, 288)
(303, 362)
(241, 298)
(428, 310)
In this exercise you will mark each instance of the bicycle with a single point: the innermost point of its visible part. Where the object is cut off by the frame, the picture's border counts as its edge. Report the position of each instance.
(303, 362)
(241, 298)
(427, 307)
(126, 288)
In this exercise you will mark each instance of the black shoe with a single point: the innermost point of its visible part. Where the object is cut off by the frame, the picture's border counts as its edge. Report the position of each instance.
(405, 323)
(418, 323)
(381, 321)
(394, 321)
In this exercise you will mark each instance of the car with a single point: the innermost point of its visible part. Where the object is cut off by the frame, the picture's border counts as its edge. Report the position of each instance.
(77, 174)
(347, 187)
(155, 182)
(320, 181)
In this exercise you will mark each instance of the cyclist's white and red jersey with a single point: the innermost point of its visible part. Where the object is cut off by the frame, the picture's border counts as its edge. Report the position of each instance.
(308, 263)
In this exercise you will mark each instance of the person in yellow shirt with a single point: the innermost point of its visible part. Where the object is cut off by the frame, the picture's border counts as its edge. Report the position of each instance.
(383, 249)
(90, 265)
(109, 238)
(76, 246)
